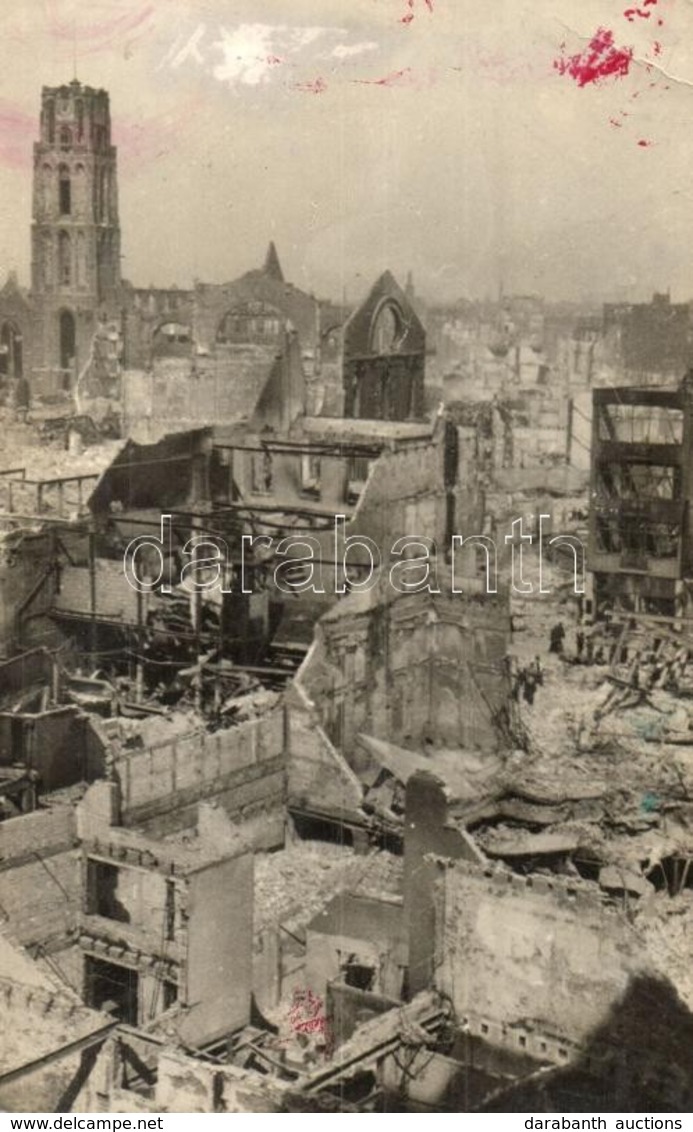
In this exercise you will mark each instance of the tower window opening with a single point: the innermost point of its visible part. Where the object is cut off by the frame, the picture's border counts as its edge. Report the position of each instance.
(80, 120)
(65, 191)
(65, 138)
(68, 343)
(50, 122)
(65, 259)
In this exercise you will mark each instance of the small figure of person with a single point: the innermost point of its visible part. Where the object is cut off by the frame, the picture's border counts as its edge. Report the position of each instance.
(530, 687)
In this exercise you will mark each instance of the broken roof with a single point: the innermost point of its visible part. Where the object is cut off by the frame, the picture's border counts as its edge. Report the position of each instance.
(464, 773)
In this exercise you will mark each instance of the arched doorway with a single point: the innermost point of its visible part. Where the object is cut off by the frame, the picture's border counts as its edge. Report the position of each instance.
(68, 346)
(11, 361)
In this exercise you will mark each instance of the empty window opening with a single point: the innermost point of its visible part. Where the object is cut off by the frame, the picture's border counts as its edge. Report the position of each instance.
(65, 191)
(102, 891)
(261, 473)
(640, 424)
(10, 351)
(50, 122)
(170, 994)
(68, 336)
(112, 989)
(170, 910)
(358, 975)
(65, 259)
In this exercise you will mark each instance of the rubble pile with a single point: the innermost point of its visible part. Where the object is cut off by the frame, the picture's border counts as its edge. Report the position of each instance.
(292, 885)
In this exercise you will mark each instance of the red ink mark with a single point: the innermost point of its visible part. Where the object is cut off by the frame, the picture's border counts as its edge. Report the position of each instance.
(16, 134)
(99, 34)
(306, 1013)
(657, 47)
(644, 143)
(273, 60)
(600, 60)
(387, 80)
(616, 123)
(631, 13)
(317, 86)
(409, 16)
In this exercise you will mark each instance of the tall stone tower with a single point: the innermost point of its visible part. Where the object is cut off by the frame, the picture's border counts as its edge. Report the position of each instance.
(75, 229)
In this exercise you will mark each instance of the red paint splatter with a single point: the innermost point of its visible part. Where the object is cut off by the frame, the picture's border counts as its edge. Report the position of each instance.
(317, 86)
(644, 143)
(600, 60)
(615, 122)
(632, 13)
(409, 16)
(306, 1013)
(394, 78)
(17, 132)
(657, 47)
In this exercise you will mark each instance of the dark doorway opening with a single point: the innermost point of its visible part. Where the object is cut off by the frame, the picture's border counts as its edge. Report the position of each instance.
(11, 361)
(111, 988)
(68, 345)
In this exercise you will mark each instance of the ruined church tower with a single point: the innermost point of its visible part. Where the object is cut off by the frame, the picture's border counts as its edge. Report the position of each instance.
(75, 234)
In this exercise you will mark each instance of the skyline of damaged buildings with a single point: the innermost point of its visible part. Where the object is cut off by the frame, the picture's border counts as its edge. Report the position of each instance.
(277, 849)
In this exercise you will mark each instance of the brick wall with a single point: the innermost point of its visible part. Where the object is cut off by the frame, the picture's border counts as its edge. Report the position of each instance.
(243, 768)
(40, 885)
(536, 950)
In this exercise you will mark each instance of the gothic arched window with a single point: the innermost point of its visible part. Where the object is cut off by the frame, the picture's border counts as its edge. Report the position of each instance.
(47, 259)
(79, 203)
(80, 120)
(65, 138)
(46, 188)
(50, 122)
(387, 332)
(64, 190)
(64, 259)
(81, 260)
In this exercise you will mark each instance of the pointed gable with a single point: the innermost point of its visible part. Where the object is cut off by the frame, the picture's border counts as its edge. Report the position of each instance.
(272, 266)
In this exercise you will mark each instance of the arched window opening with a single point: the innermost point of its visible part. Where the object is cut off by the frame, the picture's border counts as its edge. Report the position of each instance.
(172, 339)
(79, 202)
(10, 351)
(68, 339)
(387, 332)
(46, 190)
(81, 260)
(65, 190)
(47, 258)
(255, 322)
(50, 122)
(65, 138)
(64, 259)
(101, 195)
(80, 119)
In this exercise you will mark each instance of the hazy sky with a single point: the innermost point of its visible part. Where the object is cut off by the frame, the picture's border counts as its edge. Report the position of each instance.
(474, 161)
